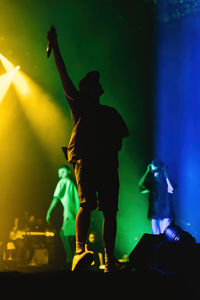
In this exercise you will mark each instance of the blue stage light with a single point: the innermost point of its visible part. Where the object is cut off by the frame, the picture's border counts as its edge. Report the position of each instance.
(177, 103)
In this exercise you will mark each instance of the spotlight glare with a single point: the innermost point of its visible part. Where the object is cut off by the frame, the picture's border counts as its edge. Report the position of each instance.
(5, 81)
(45, 118)
(19, 81)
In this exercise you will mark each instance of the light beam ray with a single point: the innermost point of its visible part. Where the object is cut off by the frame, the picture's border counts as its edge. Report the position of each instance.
(47, 120)
(5, 81)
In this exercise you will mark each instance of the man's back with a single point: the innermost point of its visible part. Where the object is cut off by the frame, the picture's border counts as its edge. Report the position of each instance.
(97, 133)
(66, 191)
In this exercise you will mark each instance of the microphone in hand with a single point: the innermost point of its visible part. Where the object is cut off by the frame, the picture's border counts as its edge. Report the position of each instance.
(50, 37)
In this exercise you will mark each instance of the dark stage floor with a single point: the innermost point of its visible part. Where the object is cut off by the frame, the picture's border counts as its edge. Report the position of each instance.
(42, 282)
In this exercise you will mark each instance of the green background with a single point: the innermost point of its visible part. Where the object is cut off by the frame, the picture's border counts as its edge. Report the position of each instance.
(114, 37)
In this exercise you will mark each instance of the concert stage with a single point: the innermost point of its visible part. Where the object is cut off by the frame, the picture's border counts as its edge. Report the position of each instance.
(44, 281)
(159, 266)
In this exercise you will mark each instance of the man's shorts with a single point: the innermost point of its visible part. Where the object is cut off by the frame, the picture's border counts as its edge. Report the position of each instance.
(98, 184)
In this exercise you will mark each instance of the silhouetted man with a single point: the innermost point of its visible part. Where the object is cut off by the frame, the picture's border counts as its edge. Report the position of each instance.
(93, 150)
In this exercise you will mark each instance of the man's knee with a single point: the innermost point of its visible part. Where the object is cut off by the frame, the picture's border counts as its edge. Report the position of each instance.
(110, 215)
(85, 209)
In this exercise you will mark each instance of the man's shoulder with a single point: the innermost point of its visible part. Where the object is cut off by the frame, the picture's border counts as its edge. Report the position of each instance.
(108, 109)
(63, 181)
(66, 179)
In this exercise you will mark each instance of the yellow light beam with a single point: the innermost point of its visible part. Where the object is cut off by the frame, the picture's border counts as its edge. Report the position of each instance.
(19, 81)
(5, 81)
(46, 119)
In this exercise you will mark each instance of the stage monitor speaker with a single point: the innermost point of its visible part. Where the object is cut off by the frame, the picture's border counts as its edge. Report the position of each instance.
(155, 252)
(143, 253)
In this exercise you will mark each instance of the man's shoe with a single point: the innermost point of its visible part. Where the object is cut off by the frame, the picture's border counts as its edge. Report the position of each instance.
(116, 266)
(82, 261)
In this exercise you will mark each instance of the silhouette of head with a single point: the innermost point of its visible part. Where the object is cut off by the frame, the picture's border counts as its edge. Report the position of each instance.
(157, 165)
(63, 172)
(89, 86)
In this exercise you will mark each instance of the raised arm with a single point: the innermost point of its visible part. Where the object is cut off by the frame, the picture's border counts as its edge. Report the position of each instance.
(69, 88)
(143, 188)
